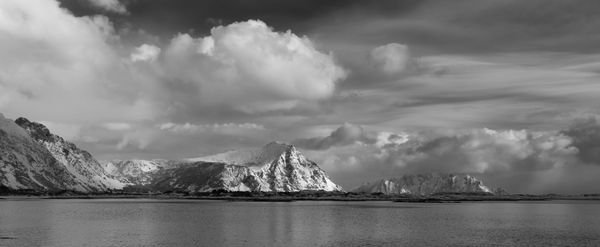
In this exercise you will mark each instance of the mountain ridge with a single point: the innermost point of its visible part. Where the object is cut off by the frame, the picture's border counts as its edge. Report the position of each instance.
(426, 184)
(276, 167)
(26, 165)
(80, 163)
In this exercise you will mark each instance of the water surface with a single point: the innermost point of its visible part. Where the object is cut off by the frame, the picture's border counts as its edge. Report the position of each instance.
(146, 222)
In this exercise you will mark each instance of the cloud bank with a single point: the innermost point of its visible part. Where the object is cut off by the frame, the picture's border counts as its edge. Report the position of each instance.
(519, 160)
(75, 71)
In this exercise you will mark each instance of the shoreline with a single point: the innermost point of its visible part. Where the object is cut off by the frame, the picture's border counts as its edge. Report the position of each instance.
(443, 198)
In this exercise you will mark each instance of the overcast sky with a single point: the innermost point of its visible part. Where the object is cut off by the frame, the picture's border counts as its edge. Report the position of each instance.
(507, 90)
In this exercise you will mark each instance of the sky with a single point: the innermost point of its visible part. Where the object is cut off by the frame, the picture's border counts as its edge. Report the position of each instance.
(506, 90)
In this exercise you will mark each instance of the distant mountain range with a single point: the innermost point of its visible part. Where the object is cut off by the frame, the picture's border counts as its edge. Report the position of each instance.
(32, 159)
(426, 184)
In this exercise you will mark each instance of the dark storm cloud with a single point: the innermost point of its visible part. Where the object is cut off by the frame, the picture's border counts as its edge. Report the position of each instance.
(586, 138)
(170, 17)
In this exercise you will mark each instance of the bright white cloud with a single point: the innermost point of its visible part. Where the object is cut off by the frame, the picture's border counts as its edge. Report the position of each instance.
(145, 52)
(61, 68)
(243, 66)
(110, 5)
(73, 71)
(252, 68)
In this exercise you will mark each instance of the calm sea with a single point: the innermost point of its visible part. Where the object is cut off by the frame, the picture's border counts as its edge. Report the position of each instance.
(145, 222)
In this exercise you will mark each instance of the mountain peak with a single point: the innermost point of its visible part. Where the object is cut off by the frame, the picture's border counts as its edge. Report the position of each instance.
(9, 126)
(37, 130)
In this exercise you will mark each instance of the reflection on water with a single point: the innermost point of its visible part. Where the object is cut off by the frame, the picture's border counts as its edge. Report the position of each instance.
(137, 222)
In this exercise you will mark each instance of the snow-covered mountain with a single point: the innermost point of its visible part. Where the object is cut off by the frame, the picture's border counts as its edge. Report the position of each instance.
(425, 184)
(26, 164)
(135, 172)
(275, 167)
(290, 171)
(85, 170)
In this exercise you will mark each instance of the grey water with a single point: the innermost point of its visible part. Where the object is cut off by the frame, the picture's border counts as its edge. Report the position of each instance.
(146, 222)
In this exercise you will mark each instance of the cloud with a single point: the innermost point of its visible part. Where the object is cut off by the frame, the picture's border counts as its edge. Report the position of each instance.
(586, 138)
(502, 91)
(370, 66)
(251, 68)
(140, 138)
(226, 128)
(468, 26)
(241, 68)
(485, 151)
(117, 126)
(80, 73)
(173, 141)
(47, 73)
(145, 52)
(110, 5)
(346, 134)
(391, 59)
